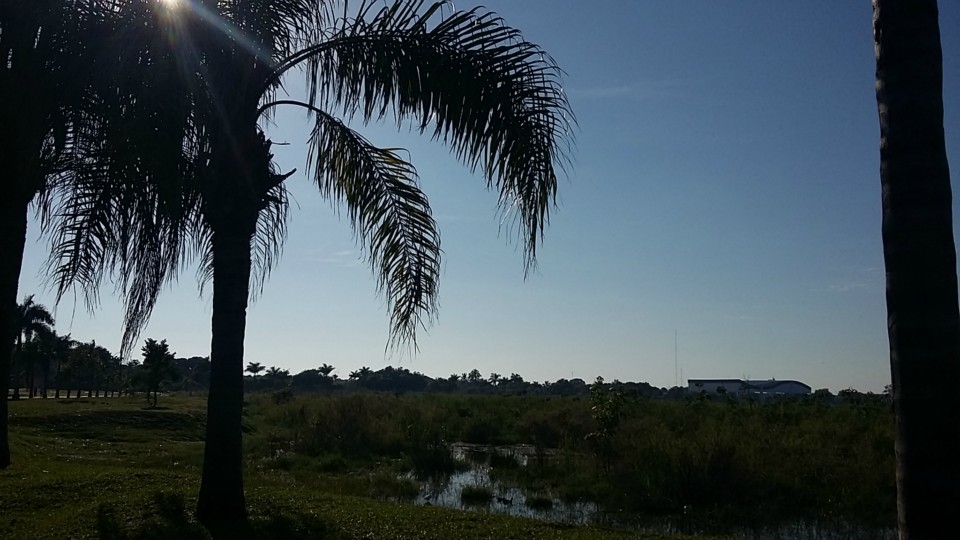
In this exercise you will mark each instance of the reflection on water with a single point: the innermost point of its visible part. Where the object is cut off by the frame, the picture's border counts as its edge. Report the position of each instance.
(446, 490)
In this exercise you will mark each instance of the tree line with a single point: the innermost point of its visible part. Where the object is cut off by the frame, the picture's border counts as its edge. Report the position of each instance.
(46, 364)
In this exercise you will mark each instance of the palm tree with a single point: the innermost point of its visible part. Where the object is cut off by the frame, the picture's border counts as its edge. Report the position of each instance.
(361, 374)
(254, 368)
(465, 78)
(40, 89)
(31, 320)
(68, 121)
(276, 373)
(923, 318)
(325, 371)
(60, 350)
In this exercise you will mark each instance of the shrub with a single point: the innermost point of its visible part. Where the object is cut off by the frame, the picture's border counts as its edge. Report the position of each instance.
(475, 495)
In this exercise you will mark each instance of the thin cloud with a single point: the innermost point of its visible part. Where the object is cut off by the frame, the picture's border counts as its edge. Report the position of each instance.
(346, 258)
(637, 90)
(865, 279)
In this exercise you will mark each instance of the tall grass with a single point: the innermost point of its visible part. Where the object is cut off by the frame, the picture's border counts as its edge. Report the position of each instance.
(735, 461)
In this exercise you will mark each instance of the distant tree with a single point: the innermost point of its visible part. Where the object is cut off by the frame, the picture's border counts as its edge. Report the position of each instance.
(157, 367)
(61, 352)
(474, 376)
(194, 372)
(32, 319)
(495, 378)
(361, 374)
(276, 373)
(254, 368)
(39, 355)
(822, 395)
(90, 367)
(326, 370)
(307, 380)
(606, 406)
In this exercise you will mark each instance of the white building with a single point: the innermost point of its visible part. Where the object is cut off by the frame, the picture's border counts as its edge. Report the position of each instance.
(741, 387)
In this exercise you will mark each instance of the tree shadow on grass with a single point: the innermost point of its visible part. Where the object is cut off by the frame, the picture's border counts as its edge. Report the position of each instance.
(117, 425)
(167, 517)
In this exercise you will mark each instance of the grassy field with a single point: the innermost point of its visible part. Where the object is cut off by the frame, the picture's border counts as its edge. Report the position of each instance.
(110, 468)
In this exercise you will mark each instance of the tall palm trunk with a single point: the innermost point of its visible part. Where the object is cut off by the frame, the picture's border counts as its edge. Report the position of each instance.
(13, 236)
(922, 311)
(221, 487)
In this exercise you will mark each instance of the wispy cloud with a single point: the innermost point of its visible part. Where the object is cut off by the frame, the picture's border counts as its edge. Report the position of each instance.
(346, 258)
(863, 279)
(635, 90)
(849, 286)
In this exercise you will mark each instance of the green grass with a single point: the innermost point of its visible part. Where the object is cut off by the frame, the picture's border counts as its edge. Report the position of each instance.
(112, 469)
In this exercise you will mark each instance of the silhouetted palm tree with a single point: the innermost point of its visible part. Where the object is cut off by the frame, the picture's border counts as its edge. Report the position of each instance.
(361, 374)
(922, 307)
(69, 120)
(254, 368)
(31, 320)
(60, 350)
(465, 78)
(276, 373)
(41, 92)
(157, 367)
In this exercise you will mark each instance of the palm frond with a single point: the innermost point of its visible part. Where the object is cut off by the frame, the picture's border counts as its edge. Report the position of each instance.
(131, 205)
(466, 78)
(390, 215)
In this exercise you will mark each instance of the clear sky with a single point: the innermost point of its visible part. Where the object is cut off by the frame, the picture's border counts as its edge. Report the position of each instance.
(725, 188)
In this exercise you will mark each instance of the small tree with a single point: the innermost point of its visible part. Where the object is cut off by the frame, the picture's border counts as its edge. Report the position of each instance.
(157, 367)
(326, 370)
(607, 410)
(361, 374)
(254, 368)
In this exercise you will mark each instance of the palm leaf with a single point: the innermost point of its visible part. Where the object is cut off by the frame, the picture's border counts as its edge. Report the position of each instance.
(390, 215)
(466, 78)
(130, 205)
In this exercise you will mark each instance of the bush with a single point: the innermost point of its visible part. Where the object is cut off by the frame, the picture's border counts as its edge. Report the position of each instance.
(475, 495)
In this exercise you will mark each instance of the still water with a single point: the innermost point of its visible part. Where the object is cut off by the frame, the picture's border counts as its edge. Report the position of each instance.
(446, 491)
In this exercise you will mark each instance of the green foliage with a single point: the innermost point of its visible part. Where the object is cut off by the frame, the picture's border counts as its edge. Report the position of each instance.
(282, 397)
(730, 462)
(384, 485)
(94, 469)
(606, 409)
(157, 367)
(475, 495)
(536, 502)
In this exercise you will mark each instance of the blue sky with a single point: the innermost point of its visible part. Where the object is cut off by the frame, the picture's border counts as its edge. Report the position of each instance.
(725, 188)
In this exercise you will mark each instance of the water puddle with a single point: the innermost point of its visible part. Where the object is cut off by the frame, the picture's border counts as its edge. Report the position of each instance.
(488, 494)
(447, 491)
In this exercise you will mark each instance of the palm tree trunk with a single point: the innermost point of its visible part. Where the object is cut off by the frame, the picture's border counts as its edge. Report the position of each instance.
(221, 488)
(18, 349)
(56, 382)
(13, 236)
(923, 318)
